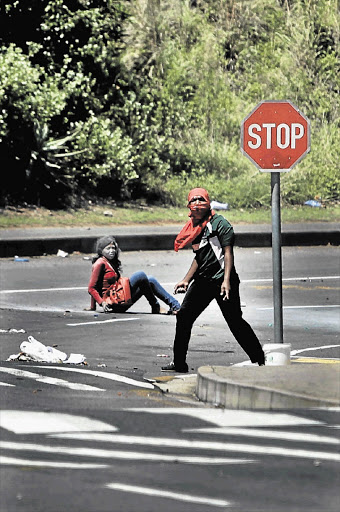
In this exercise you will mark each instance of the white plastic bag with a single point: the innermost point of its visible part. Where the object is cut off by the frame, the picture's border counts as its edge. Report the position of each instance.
(39, 352)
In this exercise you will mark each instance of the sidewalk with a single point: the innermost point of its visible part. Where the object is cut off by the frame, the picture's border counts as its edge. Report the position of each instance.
(39, 241)
(292, 386)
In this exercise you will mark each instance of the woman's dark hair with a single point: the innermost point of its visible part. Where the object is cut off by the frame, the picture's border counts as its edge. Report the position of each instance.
(104, 242)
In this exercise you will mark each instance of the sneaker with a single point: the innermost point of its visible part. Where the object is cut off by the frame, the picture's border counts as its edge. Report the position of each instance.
(172, 311)
(172, 368)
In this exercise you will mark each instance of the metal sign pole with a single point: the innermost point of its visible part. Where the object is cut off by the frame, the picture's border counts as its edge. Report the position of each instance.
(275, 135)
(277, 257)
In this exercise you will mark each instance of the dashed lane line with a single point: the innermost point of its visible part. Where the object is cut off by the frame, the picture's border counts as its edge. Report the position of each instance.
(206, 445)
(63, 383)
(304, 437)
(12, 461)
(99, 322)
(104, 375)
(118, 454)
(49, 380)
(161, 493)
(34, 290)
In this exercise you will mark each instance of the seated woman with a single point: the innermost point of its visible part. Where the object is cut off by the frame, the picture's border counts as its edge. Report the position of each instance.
(106, 270)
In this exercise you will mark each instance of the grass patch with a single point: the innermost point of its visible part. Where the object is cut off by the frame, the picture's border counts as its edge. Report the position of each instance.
(132, 214)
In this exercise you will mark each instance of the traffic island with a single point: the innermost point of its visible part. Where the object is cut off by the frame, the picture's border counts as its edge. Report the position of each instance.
(270, 387)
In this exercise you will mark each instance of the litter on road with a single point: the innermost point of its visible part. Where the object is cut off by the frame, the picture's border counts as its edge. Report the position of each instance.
(34, 350)
(12, 331)
(62, 254)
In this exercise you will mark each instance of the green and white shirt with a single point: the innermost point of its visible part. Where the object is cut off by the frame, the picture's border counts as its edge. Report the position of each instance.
(208, 249)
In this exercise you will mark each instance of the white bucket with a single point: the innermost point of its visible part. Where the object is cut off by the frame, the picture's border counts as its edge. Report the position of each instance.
(277, 354)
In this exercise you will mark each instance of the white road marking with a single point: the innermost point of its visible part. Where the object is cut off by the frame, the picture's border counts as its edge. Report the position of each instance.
(267, 434)
(104, 375)
(40, 308)
(117, 454)
(37, 422)
(303, 307)
(99, 322)
(6, 384)
(49, 380)
(309, 359)
(33, 290)
(264, 280)
(299, 351)
(204, 445)
(270, 280)
(12, 461)
(292, 353)
(234, 418)
(161, 493)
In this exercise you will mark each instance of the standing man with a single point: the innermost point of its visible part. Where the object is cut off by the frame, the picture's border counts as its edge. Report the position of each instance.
(213, 276)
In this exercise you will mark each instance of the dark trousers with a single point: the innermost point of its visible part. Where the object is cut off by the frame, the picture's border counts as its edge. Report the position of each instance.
(196, 300)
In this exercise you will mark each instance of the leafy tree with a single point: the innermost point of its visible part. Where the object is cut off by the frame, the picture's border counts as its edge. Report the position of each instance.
(26, 94)
(49, 178)
(56, 72)
(156, 91)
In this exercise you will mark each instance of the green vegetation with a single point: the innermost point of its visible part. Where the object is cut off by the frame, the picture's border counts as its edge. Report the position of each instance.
(143, 99)
(108, 215)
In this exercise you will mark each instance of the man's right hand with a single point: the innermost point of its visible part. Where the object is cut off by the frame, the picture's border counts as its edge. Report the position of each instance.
(181, 287)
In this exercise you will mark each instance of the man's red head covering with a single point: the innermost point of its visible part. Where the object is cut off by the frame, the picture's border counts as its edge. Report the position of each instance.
(200, 214)
(199, 192)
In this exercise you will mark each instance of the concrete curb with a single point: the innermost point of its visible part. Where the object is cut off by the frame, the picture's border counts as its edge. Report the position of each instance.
(84, 244)
(180, 385)
(218, 386)
(155, 241)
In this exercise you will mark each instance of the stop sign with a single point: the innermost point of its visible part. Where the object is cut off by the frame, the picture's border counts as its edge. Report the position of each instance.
(275, 136)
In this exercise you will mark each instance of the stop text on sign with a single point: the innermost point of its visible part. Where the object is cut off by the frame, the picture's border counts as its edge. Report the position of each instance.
(283, 134)
(275, 136)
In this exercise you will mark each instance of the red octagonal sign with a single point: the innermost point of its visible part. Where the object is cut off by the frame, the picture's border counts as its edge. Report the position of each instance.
(275, 136)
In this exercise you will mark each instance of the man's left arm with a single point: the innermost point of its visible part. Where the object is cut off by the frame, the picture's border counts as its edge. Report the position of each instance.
(228, 265)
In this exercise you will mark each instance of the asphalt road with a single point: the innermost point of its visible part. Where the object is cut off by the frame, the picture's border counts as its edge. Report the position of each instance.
(51, 293)
(100, 438)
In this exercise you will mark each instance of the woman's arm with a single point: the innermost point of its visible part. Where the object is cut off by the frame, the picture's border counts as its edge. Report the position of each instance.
(96, 281)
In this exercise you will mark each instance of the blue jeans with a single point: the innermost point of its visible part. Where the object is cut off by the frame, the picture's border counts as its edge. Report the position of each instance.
(141, 284)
